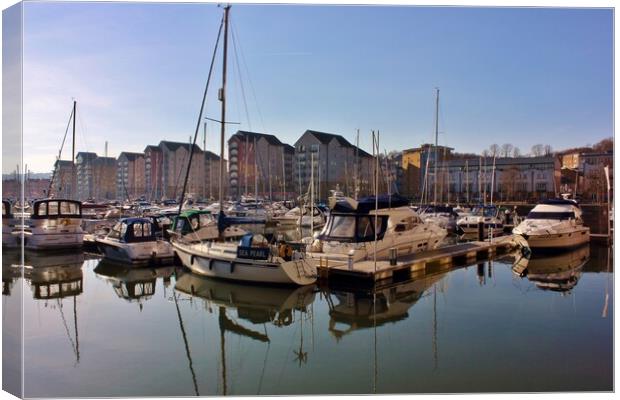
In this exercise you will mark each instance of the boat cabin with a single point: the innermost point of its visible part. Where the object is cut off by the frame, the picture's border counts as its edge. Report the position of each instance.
(556, 209)
(56, 208)
(354, 222)
(191, 221)
(6, 209)
(133, 230)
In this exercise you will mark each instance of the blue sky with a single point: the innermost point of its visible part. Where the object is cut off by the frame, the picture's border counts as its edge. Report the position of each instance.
(506, 75)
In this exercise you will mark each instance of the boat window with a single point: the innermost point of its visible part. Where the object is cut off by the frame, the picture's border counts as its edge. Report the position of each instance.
(205, 219)
(123, 230)
(342, 226)
(490, 212)
(52, 208)
(4, 211)
(180, 224)
(115, 233)
(561, 215)
(364, 227)
(67, 208)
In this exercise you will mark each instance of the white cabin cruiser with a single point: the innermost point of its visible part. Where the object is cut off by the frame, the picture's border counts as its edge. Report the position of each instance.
(135, 241)
(444, 216)
(8, 224)
(491, 216)
(554, 224)
(350, 230)
(54, 224)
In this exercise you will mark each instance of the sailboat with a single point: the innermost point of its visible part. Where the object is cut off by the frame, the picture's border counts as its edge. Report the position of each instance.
(55, 223)
(253, 259)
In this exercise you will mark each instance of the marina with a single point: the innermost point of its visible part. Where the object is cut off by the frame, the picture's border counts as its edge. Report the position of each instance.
(360, 235)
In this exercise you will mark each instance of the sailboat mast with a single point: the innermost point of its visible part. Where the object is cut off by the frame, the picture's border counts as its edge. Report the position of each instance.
(73, 170)
(436, 141)
(222, 96)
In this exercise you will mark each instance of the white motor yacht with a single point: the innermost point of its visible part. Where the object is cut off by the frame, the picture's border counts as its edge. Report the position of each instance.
(350, 230)
(444, 216)
(54, 224)
(200, 225)
(554, 224)
(317, 219)
(491, 216)
(134, 241)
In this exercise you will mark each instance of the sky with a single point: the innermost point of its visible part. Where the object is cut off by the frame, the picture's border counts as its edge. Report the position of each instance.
(138, 70)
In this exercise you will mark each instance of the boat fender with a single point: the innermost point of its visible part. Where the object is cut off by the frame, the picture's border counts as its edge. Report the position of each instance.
(526, 251)
(232, 267)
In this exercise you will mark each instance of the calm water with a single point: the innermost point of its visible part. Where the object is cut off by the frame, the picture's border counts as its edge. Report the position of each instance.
(94, 329)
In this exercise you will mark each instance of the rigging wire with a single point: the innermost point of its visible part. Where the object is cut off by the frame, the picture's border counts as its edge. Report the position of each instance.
(245, 103)
(260, 114)
(202, 105)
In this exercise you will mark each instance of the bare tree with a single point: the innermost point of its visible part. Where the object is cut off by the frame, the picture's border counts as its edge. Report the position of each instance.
(507, 149)
(516, 152)
(538, 150)
(548, 150)
(485, 153)
(494, 149)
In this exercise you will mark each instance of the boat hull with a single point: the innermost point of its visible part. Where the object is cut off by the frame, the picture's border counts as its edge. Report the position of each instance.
(563, 240)
(205, 261)
(53, 240)
(146, 253)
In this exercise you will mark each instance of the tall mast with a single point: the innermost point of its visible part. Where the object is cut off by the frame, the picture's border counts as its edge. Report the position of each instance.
(222, 96)
(436, 140)
(73, 170)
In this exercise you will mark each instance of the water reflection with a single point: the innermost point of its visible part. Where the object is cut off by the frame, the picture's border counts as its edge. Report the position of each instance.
(54, 275)
(556, 272)
(135, 285)
(353, 311)
(254, 304)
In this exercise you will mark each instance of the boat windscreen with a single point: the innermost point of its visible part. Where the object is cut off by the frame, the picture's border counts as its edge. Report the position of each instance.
(558, 215)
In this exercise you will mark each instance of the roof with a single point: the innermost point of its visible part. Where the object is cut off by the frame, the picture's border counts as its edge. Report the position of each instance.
(103, 160)
(288, 148)
(151, 147)
(473, 162)
(271, 139)
(209, 155)
(130, 156)
(426, 146)
(63, 163)
(86, 154)
(174, 146)
(326, 138)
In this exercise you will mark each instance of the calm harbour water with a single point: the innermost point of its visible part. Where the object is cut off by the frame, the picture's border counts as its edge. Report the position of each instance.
(110, 331)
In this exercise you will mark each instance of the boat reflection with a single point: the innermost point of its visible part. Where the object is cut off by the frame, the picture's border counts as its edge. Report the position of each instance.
(362, 310)
(11, 270)
(134, 285)
(557, 272)
(255, 304)
(54, 275)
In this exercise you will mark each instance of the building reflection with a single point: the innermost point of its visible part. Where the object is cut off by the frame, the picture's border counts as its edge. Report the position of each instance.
(134, 285)
(555, 272)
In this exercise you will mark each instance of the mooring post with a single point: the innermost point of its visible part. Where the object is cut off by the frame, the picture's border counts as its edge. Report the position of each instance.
(480, 231)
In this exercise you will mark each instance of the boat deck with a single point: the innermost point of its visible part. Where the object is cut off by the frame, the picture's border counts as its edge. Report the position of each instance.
(448, 257)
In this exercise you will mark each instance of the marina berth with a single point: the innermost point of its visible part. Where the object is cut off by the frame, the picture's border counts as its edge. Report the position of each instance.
(54, 224)
(135, 241)
(372, 227)
(554, 224)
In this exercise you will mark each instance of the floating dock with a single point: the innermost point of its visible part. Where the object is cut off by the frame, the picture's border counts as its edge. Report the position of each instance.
(449, 256)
